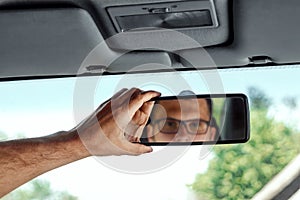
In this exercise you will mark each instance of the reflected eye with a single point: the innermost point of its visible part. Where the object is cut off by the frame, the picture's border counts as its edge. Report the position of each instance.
(172, 126)
(169, 126)
(194, 125)
(197, 127)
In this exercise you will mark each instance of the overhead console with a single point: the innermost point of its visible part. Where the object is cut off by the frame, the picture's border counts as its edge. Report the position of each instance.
(205, 21)
(176, 15)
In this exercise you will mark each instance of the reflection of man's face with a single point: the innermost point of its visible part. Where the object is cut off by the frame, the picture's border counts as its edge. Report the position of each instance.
(183, 120)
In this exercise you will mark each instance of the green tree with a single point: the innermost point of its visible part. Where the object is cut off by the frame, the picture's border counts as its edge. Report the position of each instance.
(258, 99)
(290, 102)
(36, 190)
(240, 171)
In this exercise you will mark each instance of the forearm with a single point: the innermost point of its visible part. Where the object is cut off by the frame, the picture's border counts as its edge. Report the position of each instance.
(102, 132)
(22, 160)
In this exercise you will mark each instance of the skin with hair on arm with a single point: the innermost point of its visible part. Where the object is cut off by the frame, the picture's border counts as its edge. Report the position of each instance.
(110, 130)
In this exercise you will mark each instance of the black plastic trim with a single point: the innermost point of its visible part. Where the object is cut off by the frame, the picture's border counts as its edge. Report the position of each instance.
(21, 78)
(289, 190)
(247, 121)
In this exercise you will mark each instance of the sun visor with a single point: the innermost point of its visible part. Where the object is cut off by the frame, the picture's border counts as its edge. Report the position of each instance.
(39, 42)
(205, 21)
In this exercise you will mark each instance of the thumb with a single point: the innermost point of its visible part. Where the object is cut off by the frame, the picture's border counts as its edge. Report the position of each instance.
(137, 149)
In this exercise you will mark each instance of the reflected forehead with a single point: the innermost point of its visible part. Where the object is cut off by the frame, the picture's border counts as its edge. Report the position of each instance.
(182, 109)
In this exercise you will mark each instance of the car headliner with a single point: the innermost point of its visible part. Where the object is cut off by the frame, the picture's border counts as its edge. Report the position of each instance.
(51, 38)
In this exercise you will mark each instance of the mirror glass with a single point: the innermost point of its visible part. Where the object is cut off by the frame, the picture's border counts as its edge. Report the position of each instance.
(198, 119)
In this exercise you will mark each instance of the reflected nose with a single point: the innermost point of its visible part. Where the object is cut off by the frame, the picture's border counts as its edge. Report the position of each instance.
(183, 135)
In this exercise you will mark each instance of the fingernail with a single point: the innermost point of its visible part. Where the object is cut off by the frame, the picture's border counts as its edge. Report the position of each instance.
(149, 149)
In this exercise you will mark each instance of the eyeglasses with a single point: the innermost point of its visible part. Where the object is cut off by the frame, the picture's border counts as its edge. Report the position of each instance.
(171, 126)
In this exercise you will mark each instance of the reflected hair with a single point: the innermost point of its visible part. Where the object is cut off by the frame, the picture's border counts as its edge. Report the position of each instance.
(208, 100)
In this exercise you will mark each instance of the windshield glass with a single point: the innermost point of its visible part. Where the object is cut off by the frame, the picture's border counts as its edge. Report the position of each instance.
(41, 107)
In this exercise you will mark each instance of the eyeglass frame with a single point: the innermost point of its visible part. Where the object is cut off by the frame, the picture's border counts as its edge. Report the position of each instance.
(184, 122)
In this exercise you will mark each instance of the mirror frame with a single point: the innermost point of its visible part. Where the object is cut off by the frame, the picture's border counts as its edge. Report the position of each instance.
(229, 95)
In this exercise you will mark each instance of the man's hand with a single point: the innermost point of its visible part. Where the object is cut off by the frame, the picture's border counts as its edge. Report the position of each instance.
(118, 122)
(110, 130)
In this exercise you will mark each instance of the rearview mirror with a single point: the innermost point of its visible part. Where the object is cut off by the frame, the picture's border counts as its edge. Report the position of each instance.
(198, 119)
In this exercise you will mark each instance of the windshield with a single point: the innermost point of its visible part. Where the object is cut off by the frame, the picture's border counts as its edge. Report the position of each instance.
(40, 107)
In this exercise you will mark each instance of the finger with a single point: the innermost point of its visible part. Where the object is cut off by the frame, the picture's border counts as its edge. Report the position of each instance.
(139, 133)
(123, 99)
(139, 120)
(135, 128)
(126, 96)
(131, 101)
(134, 132)
(136, 149)
(105, 107)
(141, 116)
(119, 93)
(147, 108)
(139, 100)
(131, 138)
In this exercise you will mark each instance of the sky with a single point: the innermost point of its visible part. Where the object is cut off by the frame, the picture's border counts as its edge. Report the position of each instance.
(41, 107)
